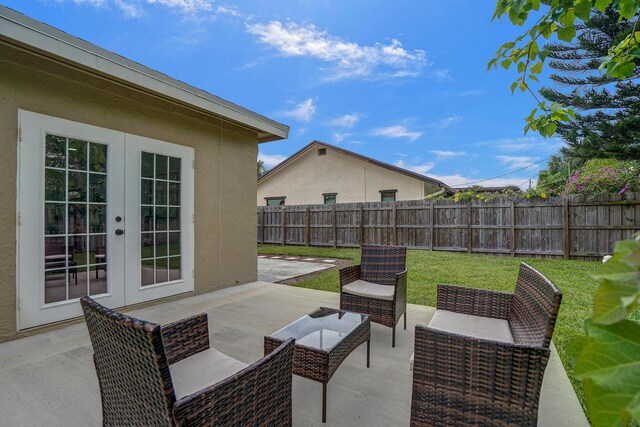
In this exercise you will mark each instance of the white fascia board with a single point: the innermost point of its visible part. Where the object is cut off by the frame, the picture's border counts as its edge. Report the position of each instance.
(27, 31)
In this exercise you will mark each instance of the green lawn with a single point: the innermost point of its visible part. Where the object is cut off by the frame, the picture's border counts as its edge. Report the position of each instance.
(427, 268)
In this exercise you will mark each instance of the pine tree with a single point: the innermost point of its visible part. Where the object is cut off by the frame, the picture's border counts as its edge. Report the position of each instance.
(608, 120)
(260, 167)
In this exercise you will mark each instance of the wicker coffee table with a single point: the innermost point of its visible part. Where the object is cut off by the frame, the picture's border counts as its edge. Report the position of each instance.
(324, 338)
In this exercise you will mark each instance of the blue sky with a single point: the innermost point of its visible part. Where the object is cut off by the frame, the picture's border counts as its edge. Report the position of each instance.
(403, 82)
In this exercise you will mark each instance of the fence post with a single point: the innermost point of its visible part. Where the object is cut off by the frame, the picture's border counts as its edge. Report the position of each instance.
(513, 229)
(335, 226)
(264, 216)
(469, 231)
(307, 236)
(361, 225)
(395, 224)
(566, 236)
(283, 221)
(433, 219)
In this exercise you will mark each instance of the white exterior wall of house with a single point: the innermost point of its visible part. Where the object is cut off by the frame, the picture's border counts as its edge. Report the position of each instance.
(307, 178)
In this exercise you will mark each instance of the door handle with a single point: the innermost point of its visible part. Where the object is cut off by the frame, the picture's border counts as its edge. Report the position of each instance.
(119, 232)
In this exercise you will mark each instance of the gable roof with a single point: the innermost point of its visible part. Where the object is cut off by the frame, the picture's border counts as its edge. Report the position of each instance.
(321, 144)
(37, 37)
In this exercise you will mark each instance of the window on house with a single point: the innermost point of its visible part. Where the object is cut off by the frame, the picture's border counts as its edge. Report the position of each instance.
(322, 151)
(275, 201)
(388, 195)
(329, 198)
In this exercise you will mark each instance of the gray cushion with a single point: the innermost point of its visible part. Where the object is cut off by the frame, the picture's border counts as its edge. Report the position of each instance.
(202, 370)
(371, 290)
(473, 326)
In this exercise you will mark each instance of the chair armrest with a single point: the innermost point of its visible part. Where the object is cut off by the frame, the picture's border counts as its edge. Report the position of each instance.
(260, 394)
(476, 302)
(349, 274)
(459, 369)
(185, 337)
(400, 291)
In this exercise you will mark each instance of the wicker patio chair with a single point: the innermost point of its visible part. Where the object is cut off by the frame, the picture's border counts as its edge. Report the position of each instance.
(169, 376)
(481, 359)
(377, 286)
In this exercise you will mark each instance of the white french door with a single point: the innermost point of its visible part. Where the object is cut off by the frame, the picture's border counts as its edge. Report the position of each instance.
(159, 209)
(84, 223)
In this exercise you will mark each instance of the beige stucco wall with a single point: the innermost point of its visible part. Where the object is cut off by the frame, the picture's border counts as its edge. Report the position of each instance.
(225, 182)
(304, 180)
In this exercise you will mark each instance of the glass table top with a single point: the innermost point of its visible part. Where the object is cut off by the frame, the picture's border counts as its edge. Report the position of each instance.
(323, 329)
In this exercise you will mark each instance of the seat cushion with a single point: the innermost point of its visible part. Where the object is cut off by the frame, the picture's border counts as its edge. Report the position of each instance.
(473, 326)
(202, 370)
(371, 290)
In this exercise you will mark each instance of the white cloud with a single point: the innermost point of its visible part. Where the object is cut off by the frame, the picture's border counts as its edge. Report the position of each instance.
(516, 162)
(349, 59)
(188, 6)
(441, 75)
(96, 3)
(339, 137)
(347, 121)
(447, 121)
(135, 8)
(229, 10)
(303, 111)
(271, 160)
(448, 154)
(397, 131)
(528, 143)
(417, 168)
(472, 92)
(130, 10)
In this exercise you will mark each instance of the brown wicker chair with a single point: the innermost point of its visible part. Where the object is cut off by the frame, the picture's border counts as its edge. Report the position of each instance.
(482, 358)
(168, 376)
(377, 286)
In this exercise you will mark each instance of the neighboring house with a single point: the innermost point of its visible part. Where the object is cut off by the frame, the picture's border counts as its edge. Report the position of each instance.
(322, 173)
(117, 181)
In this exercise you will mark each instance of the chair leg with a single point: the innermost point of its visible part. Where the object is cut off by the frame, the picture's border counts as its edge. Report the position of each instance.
(405, 320)
(393, 334)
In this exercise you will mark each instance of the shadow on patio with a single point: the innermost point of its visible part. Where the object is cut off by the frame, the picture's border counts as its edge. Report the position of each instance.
(49, 379)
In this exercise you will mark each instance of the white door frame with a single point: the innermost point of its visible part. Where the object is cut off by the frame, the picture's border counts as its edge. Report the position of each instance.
(31, 308)
(123, 199)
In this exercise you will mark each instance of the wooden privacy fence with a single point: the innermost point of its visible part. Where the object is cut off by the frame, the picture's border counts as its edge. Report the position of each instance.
(573, 227)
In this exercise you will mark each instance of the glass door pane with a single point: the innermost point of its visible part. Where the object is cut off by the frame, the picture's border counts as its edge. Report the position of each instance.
(75, 207)
(160, 219)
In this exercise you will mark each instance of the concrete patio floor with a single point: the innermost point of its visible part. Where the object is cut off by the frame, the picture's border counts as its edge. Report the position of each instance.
(275, 270)
(49, 379)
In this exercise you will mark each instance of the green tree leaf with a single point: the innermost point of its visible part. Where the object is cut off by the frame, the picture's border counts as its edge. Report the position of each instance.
(536, 68)
(549, 129)
(620, 70)
(567, 34)
(608, 361)
(583, 9)
(628, 8)
(614, 300)
(601, 5)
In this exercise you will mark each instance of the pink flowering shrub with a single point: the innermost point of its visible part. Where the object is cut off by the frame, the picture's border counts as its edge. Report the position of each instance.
(620, 178)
